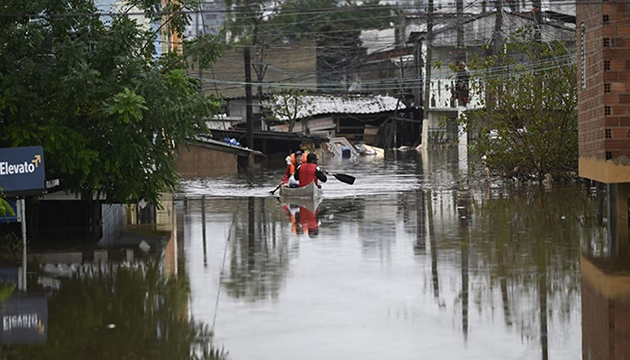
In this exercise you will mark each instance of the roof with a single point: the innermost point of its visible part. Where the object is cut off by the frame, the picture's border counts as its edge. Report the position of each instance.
(267, 135)
(312, 105)
(224, 147)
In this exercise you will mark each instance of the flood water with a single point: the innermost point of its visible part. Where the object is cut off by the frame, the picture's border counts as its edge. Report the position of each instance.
(415, 260)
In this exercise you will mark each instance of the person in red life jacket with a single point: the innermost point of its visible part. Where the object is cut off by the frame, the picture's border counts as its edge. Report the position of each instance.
(310, 172)
(296, 159)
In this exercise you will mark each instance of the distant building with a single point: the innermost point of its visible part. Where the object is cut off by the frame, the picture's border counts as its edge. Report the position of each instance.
(209, 20)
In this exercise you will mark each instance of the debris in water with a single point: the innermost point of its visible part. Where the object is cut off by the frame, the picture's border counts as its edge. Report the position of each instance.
(111, 326)
(144, 246)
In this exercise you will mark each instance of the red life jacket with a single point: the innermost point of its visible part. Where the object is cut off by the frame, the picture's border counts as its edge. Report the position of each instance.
(307, 174)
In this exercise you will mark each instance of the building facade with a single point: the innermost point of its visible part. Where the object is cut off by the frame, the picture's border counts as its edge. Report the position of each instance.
(603, 61)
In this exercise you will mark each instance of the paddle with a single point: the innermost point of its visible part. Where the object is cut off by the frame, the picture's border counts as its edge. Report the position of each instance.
(276, 189)
(343, 178)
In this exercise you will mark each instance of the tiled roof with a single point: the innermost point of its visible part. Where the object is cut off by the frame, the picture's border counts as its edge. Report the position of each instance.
(312, 105)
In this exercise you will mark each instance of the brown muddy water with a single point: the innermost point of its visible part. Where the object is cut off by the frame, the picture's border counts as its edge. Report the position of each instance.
(414, 261)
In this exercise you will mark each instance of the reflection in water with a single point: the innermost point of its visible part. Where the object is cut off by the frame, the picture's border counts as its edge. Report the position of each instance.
(434, 250)
(118, 312)
(605, 285)
(258, 260)
(418, 263)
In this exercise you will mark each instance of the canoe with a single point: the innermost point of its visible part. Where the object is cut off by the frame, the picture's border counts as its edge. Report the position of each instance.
(309, 191)
(312, 204)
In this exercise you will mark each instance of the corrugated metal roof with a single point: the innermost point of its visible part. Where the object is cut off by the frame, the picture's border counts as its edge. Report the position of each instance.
(311, 105)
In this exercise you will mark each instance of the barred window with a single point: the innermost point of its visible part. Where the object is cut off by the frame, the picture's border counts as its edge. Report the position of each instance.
(607, 110)
(608, 133)
(606, 65)
(583, 54)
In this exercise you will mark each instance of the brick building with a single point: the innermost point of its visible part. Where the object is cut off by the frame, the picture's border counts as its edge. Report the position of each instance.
(603, 44)
(603, 58)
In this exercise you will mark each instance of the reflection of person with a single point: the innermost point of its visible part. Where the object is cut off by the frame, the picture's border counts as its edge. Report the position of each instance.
(302, 219)
(308, 221)
(293, 212)
(309, 172)
(293, 162)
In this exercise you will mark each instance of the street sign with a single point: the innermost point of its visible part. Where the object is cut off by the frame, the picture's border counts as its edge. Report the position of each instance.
(22, 169)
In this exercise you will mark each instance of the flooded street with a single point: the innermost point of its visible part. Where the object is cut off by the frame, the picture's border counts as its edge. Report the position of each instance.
(409, 262)
(412, 261)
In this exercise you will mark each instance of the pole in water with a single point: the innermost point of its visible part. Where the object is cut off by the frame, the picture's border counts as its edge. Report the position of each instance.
(23, 215)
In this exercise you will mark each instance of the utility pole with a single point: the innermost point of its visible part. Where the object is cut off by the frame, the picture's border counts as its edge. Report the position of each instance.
(427, 77)
(248, 97)
(538, 19)
(498, 25)
(461, 54)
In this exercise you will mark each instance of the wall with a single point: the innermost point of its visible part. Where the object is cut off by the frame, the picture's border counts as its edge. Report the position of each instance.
(286, 63)
(114, 218)
(203, 162)
(604, 96)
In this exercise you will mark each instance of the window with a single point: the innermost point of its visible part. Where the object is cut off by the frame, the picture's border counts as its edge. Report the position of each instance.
(606, 19)
(606, 65)
(608, 133)
(606, 88)
(607, 110)
(608, 155)
(606, 42)
(583, 54)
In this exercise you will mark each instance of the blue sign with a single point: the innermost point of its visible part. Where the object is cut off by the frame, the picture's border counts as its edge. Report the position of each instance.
(22, 169)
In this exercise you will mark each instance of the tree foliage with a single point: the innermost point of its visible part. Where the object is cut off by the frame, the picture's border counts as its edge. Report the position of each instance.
(92, 91)
(5, 208)
(528, 125)
(287, 105)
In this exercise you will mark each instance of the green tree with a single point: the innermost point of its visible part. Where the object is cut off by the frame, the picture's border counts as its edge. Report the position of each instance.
(287, 105)
(528, 126)
(5, 208)
(107, 110)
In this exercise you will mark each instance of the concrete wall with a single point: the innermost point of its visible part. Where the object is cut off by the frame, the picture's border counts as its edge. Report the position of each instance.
(114, 219)
(199, 161)
(286, 63)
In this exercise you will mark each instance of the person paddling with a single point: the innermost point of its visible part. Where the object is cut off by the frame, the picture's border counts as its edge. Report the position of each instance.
(293, 162)
(310, 172)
